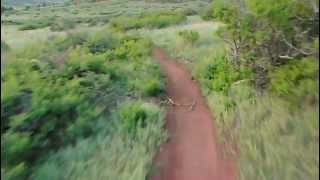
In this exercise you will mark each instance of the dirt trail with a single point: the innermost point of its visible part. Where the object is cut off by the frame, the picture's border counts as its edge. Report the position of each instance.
(191, 152)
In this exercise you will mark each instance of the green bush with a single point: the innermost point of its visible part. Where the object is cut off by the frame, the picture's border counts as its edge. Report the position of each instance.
(4, 47)
(190, 12)
(101, 41)
(218, 73)
(111, 155)
(207, 14)
(71, 40)
(159, 19)
(266, 30)
(45, 107)
(62, 24)
(189, 36)
(296, 81)
(132, 116)
(36, 24)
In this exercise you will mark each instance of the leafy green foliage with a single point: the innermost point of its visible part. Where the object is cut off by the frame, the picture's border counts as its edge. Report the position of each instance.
(35, 24)
(72, 40)
(113, 154)
(189, 36)
(264, 33)
(4, 46)
(62, 24)
(136, 115)
(45, 106)
(218, 73)
(296, 80)
(100, 42)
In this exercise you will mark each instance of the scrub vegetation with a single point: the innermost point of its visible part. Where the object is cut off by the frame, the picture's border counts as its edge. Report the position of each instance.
(80, 90)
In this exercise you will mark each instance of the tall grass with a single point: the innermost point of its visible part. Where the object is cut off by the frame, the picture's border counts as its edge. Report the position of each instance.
(111, 155)
(274, 141)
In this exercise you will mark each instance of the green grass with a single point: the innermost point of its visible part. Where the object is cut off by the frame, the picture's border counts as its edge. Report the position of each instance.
(274, 142)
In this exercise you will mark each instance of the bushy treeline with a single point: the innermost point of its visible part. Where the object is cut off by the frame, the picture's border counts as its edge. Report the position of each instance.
(55, 24)
(58, 93)
(157, 19)
(263, 33)
(160, 19)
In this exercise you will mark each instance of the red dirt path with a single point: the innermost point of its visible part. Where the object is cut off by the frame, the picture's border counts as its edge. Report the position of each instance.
(191, 152)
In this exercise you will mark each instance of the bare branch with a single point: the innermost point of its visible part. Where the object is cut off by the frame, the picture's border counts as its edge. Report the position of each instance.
(295, 48)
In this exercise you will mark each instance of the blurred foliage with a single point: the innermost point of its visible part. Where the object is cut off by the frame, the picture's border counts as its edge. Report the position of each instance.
(4, 47)
(189, 36)
(48, 103)
(115, 153)
(62, 24)
(266, 33)
(296, 81)
(160, 19)
(218, 73)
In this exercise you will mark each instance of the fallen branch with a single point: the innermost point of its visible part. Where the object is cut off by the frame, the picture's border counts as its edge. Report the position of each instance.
(173, 103)
(302, 51)
(192, 105)
(285, 57)
(241, 81)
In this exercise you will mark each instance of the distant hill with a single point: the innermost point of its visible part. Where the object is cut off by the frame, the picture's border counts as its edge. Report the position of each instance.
(30, 2)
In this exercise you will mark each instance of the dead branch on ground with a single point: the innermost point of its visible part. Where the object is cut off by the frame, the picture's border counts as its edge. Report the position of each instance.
(173, 103)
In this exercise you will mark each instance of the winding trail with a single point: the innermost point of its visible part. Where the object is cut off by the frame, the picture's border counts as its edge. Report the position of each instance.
(192, 152)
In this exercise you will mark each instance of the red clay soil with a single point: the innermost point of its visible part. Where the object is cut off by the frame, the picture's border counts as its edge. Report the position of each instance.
(191, 152)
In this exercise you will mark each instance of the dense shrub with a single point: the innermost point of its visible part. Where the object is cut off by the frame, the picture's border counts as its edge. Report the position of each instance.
(62, 24)
(267, 33)
(113, 154)
(189, 36)
(45, 107)
(133, 117)
(4, 46)
(218, 73)
(296, 80)
(36, 24)
(71, 40)
(101, 41)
